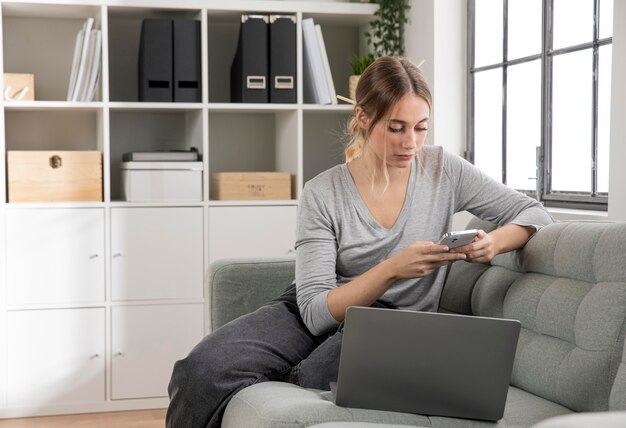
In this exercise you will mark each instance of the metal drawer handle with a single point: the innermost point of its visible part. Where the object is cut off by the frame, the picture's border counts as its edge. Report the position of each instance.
(56, 161)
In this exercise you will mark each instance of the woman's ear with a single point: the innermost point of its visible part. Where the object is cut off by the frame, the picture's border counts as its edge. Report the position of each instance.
(361, 118)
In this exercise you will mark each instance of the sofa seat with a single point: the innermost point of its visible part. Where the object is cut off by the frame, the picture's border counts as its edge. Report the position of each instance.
(282, 405)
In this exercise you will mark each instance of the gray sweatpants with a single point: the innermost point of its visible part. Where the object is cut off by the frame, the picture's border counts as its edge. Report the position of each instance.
(271, 343)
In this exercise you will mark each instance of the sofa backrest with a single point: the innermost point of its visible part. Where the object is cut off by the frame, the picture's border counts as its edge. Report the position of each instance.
(235, 287)
(567, 287)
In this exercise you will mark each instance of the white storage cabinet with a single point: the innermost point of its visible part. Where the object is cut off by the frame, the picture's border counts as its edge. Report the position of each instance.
(251, 231)
(157, 253)
(55, 255)
(146, 342)
(98, 299)
(56, 356)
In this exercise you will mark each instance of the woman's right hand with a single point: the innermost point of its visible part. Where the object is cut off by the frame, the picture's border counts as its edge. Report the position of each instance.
(421, 258)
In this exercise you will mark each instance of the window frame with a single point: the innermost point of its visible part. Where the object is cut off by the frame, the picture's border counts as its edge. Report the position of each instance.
(579, 200)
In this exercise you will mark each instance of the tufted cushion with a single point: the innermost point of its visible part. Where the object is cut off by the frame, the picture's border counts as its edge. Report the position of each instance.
(568, 289)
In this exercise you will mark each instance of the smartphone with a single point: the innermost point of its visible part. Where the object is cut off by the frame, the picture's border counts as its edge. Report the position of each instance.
(459, 238)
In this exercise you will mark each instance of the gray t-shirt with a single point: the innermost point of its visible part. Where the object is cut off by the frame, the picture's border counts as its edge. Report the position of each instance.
(338, 239)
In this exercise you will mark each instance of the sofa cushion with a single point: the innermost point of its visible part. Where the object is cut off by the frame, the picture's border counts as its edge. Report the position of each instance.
(356, 425)
(586, 420)
(235, 287)
(522, 410)
(567, 287)
(618, 392)
(277, 404)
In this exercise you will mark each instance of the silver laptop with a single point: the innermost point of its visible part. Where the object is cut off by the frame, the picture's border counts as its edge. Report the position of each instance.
(426, 363)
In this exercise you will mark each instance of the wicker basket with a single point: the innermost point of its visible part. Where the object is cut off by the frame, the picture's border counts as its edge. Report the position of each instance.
(352, 82)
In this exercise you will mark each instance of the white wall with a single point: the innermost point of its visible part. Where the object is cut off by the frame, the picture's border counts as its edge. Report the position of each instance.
(617, 170)
(437, 33)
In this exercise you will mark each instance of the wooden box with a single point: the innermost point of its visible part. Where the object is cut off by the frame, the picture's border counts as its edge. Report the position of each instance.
(19, 87)
(228, 186)
(59, 176)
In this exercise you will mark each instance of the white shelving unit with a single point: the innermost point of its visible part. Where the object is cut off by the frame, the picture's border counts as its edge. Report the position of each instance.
(98, 299)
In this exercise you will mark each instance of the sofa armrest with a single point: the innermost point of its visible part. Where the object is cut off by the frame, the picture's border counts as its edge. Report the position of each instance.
(235, 287)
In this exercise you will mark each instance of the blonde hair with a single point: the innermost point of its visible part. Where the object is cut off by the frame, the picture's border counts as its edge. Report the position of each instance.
(380, 87)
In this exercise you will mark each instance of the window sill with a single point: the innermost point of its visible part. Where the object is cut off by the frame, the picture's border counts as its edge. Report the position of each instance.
(568, 214)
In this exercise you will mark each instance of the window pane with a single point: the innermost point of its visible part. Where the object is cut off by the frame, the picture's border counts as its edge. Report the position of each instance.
(524, 28)
(523, 124)
(488, 27)
(573, 22)
(606, 18)
(604, 116)
(488, 122)
(571, 121)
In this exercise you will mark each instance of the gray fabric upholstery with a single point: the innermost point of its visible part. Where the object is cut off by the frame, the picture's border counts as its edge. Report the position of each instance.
(586, 420)
(567, 287)
(618, 392)
(277, 404)
(357, 425)
(235, 287)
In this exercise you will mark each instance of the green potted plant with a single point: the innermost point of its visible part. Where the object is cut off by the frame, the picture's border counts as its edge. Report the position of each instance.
(358, 64)
(384, 38)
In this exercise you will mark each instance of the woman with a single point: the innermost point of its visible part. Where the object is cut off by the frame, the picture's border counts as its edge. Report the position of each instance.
(365, 237)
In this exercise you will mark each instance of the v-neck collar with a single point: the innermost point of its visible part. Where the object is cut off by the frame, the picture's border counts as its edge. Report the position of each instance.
(362, 207)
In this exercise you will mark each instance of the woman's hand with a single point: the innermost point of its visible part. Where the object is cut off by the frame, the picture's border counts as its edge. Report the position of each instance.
(421, 258)
(487, 245)
(481, 250)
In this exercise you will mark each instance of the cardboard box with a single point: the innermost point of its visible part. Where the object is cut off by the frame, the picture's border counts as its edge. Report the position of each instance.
(54, 176)
(161, 181)
(19, 87)
(228, 186)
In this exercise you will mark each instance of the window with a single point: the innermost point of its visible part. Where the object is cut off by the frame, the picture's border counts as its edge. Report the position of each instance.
(539, 92)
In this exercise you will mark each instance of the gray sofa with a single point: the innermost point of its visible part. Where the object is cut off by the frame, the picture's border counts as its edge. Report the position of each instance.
(567, 287)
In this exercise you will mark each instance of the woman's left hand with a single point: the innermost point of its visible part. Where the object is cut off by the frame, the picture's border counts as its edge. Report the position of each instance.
(481, 250)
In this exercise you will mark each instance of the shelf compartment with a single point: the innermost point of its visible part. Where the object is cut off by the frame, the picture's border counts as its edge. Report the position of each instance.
(223, 35)
(323, 141)
(267, 142)
(62, 129)
(346, 37)
(124, 34)
(40, 39)
(151, 130)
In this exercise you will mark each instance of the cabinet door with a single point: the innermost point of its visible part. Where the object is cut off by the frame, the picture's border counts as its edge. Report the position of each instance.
(55, 255)
(251, 231)
(55, 357)
(157, 253)
(147, 341)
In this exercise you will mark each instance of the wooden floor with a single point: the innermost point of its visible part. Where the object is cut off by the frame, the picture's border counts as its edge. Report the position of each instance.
(134, 419)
